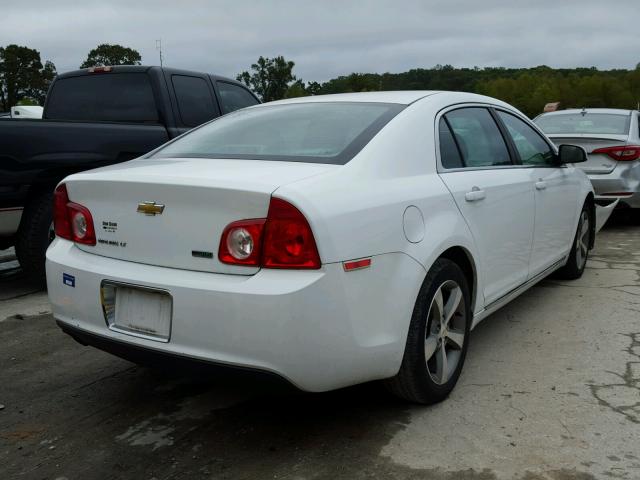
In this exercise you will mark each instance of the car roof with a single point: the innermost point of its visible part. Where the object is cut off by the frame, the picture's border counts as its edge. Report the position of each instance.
(615, 111)
(402, 97)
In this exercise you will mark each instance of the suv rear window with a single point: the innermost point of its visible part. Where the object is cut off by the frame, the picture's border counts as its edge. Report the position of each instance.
(597, 123)
(315, 132)
(103, 97)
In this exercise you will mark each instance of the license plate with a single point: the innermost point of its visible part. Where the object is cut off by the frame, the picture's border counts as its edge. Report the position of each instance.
(139, 311)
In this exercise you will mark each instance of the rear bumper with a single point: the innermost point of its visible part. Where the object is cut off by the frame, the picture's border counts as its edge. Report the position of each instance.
(624, 178)
(320, 330)
(170, 362)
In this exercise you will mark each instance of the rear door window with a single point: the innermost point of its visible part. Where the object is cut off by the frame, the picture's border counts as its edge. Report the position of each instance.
(234, 97)
(478, 138)
(195, 102)
(103, 97)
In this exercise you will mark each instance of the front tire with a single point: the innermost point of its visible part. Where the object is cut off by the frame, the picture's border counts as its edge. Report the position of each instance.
(577, 261)
(438, 337)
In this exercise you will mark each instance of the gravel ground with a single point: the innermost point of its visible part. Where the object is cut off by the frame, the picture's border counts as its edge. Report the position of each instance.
(550, 390)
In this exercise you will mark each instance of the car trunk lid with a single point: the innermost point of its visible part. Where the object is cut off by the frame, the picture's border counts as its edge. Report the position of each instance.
(597, 163)
(172, 212)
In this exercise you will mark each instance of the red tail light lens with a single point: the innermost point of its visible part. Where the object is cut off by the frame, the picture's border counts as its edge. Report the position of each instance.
(288, 239)
(72, 221)
(241, 242)
(61, 221)
(283, 240)
(624, 153)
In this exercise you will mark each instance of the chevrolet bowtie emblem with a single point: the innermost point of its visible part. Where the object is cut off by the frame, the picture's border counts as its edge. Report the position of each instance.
(150, 208)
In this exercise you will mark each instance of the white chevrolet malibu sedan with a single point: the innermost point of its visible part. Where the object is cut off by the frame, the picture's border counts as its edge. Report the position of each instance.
(329, 240)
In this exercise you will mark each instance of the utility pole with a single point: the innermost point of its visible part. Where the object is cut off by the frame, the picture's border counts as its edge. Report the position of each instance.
(159, 48)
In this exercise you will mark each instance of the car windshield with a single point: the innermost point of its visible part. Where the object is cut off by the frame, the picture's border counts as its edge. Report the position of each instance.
(315, 132)
(597, 123)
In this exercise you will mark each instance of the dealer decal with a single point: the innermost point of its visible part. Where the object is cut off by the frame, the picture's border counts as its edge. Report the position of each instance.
(69, 280)
(110, 227)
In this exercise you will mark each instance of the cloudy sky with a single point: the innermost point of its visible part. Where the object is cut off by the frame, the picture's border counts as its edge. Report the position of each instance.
(330, 38)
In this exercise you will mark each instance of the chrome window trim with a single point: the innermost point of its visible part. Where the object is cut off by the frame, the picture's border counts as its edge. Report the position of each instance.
(456, 106)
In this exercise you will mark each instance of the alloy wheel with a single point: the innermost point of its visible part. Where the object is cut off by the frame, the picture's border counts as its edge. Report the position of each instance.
(582, 240)
(445, 332)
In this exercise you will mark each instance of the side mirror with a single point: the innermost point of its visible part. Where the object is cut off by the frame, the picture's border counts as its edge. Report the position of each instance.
(571, 154)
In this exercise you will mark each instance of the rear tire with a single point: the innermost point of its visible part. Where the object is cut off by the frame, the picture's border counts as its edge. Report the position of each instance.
(34, 236)
(574, 268)
(438, 337)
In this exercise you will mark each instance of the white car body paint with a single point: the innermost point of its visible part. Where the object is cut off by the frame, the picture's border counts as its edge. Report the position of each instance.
(328, 328)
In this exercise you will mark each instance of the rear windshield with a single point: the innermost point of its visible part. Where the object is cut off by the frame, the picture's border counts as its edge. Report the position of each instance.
(303, 132)
(598, 123)
(103, 97)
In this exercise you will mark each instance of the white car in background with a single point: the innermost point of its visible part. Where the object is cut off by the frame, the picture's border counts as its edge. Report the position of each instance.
(331, 240)
(611, 138)
(26, 111)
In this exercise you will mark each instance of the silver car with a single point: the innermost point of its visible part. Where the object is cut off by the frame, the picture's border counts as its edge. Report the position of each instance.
(611, 138)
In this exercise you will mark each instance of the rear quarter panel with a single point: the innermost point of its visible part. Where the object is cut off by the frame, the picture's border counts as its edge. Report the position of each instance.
(357, 210)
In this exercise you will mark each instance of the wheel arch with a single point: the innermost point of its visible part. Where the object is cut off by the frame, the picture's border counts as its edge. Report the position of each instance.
(463, 258)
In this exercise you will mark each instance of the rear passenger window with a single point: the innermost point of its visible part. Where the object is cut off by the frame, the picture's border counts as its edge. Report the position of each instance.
(533, 150)
(449, 154)
(478, 137)
(233, 97)
(194, 100)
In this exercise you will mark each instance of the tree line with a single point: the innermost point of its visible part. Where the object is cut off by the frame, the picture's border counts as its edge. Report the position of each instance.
(25, 78)
(528, 89)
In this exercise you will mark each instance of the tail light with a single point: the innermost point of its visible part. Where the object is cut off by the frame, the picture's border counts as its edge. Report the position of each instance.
(283, 240)
(72, 221)
(288, 239)
(625, 153)
(241, 242)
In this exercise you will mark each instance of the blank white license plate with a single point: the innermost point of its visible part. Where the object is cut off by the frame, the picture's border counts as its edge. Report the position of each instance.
(143, 312)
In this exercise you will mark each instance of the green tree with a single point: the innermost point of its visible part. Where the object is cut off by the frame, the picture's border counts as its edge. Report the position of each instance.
(270, 78)
(108, 54)
(313, 88)
(22, 76)
(296, 89)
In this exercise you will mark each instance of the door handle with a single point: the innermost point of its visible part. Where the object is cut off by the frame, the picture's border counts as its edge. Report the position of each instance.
(474, 195)
(541, 184)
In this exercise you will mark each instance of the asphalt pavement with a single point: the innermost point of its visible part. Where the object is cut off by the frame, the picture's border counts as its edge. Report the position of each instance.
(550, 390)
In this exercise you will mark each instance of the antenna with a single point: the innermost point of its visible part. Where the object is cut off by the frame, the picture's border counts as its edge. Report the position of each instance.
(159, 48)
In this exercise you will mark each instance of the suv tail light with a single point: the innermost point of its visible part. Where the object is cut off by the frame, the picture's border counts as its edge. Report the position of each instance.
(283, 240)
(72, 221)
(625, 153)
